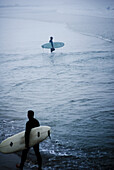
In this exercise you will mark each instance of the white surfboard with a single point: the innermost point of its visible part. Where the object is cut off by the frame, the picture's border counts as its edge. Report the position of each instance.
(17, 142)
(55, 44)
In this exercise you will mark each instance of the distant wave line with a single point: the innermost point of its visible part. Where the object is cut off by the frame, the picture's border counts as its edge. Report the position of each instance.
(97, 36)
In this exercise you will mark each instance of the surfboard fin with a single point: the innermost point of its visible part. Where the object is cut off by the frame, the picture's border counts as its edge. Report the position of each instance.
(49, 134)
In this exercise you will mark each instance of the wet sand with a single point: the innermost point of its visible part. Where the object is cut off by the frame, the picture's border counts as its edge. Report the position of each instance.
(9, 161)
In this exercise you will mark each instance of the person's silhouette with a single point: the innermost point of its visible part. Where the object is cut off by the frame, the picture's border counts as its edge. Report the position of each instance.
(51, 41)
(29, 125)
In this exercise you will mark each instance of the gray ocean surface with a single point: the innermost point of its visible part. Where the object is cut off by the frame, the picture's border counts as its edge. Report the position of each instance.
(70, 91)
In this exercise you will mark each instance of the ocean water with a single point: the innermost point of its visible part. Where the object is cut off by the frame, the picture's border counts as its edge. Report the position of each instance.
(70, 90)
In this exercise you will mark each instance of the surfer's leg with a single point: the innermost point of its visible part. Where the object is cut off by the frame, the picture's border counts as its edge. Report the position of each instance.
(23, 157)
(38, 155)
(52, 49)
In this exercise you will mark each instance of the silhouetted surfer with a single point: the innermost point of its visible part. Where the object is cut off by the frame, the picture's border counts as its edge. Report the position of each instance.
(51, 41)
(29, 125)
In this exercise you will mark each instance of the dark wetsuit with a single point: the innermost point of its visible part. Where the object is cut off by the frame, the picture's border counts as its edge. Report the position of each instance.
(29, 125)
(52, 49)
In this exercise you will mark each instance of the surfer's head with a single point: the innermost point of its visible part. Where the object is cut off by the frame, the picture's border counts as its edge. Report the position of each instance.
(30, 114)
(51, 38)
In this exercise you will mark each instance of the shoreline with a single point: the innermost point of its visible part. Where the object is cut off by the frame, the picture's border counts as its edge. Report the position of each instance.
(9, 161)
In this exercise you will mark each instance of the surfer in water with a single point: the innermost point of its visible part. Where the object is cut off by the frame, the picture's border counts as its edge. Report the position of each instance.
(51, 41)
(29, 125)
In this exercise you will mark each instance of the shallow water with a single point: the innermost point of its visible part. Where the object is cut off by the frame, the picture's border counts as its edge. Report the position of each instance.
(72, 93)
(71, 90)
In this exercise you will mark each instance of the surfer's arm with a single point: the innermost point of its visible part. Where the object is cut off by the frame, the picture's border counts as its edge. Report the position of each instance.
(51, 43)
(27, 134)
(26, 140)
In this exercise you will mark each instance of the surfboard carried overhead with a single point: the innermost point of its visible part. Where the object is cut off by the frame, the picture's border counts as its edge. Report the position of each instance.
(17, 142)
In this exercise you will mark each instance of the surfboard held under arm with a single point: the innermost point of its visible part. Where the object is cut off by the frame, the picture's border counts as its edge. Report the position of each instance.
(55, 45)
(17, 142)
